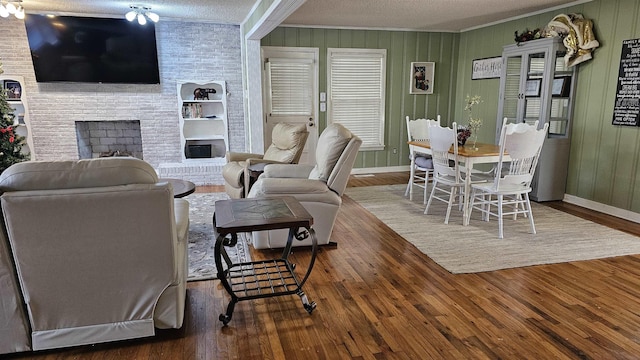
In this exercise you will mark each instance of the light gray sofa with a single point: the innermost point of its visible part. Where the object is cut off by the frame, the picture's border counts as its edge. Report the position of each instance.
(318, 188)
(90, 251)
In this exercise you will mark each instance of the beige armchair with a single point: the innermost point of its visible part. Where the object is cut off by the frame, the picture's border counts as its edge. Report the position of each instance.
(287, 143)
(319, 188)
(92, 250)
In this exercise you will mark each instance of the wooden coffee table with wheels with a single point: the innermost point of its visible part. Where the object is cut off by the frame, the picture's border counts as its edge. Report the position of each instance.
(267, 278)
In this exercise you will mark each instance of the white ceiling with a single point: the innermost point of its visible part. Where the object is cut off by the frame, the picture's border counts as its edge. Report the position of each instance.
(432, 15)
(218, 11)
(427, 15)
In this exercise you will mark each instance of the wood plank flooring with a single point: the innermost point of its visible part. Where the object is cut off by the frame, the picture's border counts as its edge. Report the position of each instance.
(380, 298)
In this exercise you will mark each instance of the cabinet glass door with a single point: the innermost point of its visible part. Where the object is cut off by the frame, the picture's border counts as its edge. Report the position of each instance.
(560, 97)
(512, 92)
(522, 97)
(533, 88)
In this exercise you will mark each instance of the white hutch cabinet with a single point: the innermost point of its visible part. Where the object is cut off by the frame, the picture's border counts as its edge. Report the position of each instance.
(536, 85)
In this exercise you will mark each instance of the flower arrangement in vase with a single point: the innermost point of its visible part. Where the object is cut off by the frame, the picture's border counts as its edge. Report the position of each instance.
(463, 135)
(474, 123)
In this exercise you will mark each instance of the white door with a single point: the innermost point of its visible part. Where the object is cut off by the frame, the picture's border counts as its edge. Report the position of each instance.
(291, 92)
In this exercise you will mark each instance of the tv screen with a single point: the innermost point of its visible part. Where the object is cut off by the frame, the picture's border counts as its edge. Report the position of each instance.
(96, 50)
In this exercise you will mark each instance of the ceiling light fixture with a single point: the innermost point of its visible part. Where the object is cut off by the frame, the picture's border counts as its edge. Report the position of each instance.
(8, 7)
(142, 13)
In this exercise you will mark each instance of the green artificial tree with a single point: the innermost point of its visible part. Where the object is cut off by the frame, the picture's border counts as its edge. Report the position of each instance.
(10, 142)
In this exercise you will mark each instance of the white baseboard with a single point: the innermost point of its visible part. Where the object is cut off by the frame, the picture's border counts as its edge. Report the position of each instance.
(603, 208)
(375, 170)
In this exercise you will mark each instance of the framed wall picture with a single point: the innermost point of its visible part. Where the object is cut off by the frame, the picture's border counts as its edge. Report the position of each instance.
(489, 68)
(421, 79)
(560, 86)
(532, 87)
(14, 90)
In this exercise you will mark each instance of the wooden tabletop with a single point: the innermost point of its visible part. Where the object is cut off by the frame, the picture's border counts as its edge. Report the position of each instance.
(255, 214)
(467, 150)
(181, 188)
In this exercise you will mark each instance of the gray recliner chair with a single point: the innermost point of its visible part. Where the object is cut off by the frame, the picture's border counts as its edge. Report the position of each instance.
(319, 188)
(287, 143)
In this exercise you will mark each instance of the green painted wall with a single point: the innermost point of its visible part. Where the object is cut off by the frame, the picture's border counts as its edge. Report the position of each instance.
(605, 159)
(402, 49)
(604, 162)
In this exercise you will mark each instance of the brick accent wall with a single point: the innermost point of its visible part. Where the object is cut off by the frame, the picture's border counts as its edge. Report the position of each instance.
(186, 51)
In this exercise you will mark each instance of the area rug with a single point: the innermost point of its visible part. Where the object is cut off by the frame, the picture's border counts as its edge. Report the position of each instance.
(202, 265)
(560, 237)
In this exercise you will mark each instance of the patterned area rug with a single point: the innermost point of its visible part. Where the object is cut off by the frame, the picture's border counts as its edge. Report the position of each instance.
(560, 237)
(202, 264)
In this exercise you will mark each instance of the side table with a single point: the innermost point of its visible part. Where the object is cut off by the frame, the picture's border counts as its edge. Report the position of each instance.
(181, 188)
(254, 172)
(267, 278)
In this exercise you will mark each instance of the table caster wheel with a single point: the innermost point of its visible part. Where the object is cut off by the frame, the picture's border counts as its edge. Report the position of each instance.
(310, 307)
(225, 318)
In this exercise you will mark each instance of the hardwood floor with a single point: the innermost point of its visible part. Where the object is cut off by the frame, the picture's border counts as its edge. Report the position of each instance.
(380, 298)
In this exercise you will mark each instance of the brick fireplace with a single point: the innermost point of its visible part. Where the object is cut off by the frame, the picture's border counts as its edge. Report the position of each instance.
(108, 138)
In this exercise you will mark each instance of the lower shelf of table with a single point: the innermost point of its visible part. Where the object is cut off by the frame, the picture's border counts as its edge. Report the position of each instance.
(262, 279)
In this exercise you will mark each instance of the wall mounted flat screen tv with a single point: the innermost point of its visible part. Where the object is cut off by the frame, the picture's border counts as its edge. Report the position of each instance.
(94, 50)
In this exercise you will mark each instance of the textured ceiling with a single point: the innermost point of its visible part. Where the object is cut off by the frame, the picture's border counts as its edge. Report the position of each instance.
(433, 15)
(218, 11)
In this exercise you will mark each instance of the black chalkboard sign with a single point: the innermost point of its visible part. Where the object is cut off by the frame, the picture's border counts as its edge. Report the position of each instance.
(626, 110)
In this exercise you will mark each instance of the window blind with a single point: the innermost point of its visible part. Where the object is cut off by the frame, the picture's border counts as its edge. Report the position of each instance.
(356, 93)
(289, 92)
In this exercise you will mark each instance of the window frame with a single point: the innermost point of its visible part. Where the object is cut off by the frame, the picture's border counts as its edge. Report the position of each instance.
(340, 100)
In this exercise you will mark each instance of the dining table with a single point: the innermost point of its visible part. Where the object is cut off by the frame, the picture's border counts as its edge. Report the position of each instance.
(469, 156)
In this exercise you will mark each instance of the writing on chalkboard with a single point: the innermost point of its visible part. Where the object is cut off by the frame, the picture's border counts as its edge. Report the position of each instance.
(626, 110)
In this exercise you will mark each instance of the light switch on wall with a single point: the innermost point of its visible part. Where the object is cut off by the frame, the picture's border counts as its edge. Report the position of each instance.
(323, 96)
(323, 107)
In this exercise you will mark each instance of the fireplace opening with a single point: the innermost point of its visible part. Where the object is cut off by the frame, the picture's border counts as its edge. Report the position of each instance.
(109, 138)
(115, 153)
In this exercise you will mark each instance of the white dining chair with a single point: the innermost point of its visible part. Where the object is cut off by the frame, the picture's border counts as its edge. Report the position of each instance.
(448, 184)
(511, 184)
(421, 163)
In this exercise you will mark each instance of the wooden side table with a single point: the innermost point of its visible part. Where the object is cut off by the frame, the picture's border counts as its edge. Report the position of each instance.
(181, 188)
(254, 172)
(267, 278)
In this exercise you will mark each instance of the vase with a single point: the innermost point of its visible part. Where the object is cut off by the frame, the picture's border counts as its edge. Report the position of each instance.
(475, 139)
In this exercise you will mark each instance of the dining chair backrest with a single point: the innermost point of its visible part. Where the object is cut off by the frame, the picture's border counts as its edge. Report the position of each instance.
(441, 140)
(418, 129)
(523, 143)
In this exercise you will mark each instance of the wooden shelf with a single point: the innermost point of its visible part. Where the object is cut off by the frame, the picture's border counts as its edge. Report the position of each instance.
(204, 137)
(202, 101)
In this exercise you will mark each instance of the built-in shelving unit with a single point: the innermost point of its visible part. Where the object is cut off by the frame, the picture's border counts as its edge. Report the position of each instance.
(203, 119)
(14, 86)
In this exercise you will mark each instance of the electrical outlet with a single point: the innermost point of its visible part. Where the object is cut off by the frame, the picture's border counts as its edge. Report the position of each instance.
(395, 150)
